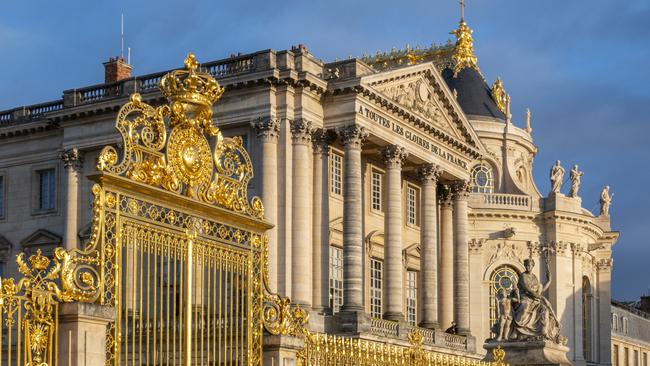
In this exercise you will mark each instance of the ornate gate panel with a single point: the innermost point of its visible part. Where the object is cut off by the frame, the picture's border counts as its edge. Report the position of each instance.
(183, 248)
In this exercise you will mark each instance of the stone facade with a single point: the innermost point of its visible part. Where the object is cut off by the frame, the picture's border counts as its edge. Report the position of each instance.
(389, 200)
(630, 334)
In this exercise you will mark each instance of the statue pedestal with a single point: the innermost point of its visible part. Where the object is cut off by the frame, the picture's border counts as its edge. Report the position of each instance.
(530, 353)
(560, 202)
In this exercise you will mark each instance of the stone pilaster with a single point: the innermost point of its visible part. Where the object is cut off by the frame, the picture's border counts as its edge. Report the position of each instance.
(82, 333)
(301, 213)
(461, 257)
(73, 162)
(393, 299)
(429, 174)
(320, 223)
(352, 137)
(446, 292)
(604, 326)
(268, 131)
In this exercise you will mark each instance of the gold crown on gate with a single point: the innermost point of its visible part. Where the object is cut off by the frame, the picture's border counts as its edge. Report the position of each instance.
(191, 86)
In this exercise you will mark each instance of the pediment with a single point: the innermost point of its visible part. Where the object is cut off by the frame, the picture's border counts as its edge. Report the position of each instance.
(41, 239)
(421, 90)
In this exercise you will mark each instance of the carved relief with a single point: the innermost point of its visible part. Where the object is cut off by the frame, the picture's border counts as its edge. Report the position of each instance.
(505, 251)
(475, 245)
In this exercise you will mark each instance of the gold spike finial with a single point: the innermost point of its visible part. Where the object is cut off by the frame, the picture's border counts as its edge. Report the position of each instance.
(463, 55)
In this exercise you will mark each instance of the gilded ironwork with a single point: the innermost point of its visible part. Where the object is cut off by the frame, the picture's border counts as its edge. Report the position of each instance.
(183, 162)
(499, 94)
(463, 55)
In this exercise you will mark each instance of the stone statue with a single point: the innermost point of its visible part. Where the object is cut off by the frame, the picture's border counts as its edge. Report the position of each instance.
(575, 181)
(503, 326)
(533, 317)
(557, 175)
(605, 201)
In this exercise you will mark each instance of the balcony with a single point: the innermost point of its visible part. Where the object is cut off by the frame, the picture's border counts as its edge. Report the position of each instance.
(501, 201)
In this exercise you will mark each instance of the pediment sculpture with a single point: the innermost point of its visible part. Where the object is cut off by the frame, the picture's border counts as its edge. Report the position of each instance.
(418, 97)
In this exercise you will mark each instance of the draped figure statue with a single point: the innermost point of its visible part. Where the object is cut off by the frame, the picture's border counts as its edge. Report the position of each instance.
(557, 175)
(534, 318)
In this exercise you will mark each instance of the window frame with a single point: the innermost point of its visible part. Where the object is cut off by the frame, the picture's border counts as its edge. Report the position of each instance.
(490, 186)
(3, 195)
(36, 189)
(379, 196)
(413, 220)
(411, 297)
(335, 267)
(494, 289)
(333, 190)
(376, 287)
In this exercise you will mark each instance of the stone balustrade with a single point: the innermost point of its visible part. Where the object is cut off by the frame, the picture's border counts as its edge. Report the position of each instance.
(400, 330)
(501, 201)
(30, 112)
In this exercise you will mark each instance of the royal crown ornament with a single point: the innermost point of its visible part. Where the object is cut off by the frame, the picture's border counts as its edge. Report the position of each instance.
(191, 92)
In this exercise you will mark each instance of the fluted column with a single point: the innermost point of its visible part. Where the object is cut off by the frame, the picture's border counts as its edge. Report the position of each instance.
(393, 272)
(446, 293)
(461, 257)
(72, 161)
(429, 174)
(301, 247)
(268, 132)
(320, 223)
(352, 137)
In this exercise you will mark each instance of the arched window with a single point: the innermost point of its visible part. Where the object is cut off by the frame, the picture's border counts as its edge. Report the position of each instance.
(482, 179)
(586, 318)
(502, 282)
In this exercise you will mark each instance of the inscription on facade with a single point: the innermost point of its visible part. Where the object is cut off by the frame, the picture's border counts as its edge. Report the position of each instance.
(413, 137)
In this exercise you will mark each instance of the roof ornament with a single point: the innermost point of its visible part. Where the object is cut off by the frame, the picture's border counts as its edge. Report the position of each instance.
(463, 55)
(499, 95)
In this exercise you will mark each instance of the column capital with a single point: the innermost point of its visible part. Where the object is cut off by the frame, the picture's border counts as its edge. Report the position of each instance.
(444, 196)
(604, 265)
(321, 139)
(72, 159)
(460, 190)
(394, 155)
(301, 130)
(352, 135)
(268, 128)
(429, 173)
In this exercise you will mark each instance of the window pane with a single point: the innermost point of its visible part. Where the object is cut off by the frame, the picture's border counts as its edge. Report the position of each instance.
(411, 297)
(482, 179)
(502, 282)
(336, 173)
(376, 191)
(375, 288)
(46, 189)
(336, 279)
(2, 196)
(411, 202)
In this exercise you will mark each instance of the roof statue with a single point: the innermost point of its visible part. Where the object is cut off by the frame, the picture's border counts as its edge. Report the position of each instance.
(499, 95)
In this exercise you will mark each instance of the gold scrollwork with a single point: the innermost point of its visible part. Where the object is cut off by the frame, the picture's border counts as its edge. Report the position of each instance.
(183, 163)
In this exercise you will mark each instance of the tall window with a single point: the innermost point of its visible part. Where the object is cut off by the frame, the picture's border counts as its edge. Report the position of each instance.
(586, 318)
(47, 189)
(336, 279)
(336, 173)
(614, 321)
(502, 282)
(482, 179)
(411, 205)
(411, 297)
(375, 190)
(636, 358)
(615, 355)
(624, 325)
(645, 359)
(375, 287)
(626, 356)
(2, 196)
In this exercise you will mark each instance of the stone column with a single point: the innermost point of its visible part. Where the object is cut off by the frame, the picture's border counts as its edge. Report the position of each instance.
(604, 326)
(461, 257)
(268, 131)
(429, 174)
(320, 223)
(72, 161)
(352, 137)
(393, 223)
(446, 258)
(301, 246)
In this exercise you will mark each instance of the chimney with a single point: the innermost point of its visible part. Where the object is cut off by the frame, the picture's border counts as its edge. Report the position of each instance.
(116, 69)
(645, 304)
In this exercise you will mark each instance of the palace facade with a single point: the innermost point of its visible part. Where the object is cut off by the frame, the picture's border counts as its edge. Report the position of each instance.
(631, 332)
(400, 188)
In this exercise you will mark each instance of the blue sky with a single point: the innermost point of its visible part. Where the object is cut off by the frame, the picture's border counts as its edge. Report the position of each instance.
(579, 65)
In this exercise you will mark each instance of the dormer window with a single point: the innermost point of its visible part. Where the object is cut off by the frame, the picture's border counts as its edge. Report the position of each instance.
(482, 179)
